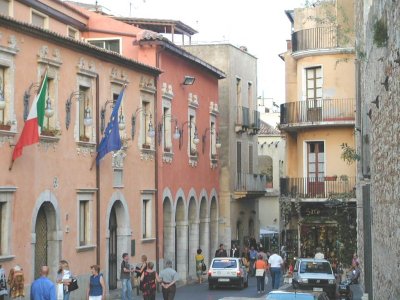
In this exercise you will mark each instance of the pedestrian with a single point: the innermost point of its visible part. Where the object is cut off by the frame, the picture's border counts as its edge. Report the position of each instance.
(126, 277)
(148, 279)
(199, 258)
(261, 267)
(3, 283)
(276, 264)
(221, 252)
(234, 252)
(64, 277)
(168, 278)
(355, 272)
(97, 288)
(253, 257)
(246, 262)
(319, 254)
(144, 264)
(42, 288)
(355, 259)
(16, 282)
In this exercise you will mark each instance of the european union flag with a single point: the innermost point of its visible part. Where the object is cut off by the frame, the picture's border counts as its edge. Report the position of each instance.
(111, 140)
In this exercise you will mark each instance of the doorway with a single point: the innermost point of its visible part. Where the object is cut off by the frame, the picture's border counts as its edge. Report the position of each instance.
(112, 256)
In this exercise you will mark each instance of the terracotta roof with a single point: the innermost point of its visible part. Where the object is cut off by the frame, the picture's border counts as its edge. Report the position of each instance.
(266, 129)
(77, 45)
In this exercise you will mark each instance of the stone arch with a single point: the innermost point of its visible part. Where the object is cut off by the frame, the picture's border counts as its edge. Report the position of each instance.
(213, 224)
(168, 226)
(252, 228)
(193, 233)
(47, 212)
(204, 226)
(118, 236)
(181, 236)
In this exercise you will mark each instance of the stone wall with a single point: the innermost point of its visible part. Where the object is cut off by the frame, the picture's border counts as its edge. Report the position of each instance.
(378, 56)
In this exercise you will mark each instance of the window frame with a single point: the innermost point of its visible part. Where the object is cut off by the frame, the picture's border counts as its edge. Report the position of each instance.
(6, 199)
(104, 40)
(10, 7)
(38, 13)
(86, 196)
(76, 36)
(147, 218)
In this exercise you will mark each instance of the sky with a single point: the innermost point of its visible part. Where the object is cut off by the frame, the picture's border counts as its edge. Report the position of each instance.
(259, 25)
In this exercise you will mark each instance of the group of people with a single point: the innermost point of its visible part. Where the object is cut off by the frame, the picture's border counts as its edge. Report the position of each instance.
(44, 289)
(148, 279)
(258, 264)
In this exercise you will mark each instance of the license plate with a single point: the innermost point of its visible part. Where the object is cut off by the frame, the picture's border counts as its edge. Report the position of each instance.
(317, 289)
(223, 279)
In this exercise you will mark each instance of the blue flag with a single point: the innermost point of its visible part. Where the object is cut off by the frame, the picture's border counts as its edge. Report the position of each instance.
(111, 140)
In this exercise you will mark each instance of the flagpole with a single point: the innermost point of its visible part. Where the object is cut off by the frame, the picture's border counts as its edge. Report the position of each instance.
(11, 165)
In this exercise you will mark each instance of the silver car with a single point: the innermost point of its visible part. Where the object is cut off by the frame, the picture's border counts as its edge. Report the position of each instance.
(227, 271)
(314, 274)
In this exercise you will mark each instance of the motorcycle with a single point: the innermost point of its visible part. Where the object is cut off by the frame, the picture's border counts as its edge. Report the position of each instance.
(345, 292)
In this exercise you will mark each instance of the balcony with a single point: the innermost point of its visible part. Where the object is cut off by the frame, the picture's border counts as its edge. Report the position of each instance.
(250, 185)
(322, 112)
(322, 187)
(242, 122)
(319, 38)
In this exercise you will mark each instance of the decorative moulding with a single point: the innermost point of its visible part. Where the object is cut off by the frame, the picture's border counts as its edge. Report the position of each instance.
(118, 76)
(54, 60)
(146, 84)
(86, 68)
(12, 47)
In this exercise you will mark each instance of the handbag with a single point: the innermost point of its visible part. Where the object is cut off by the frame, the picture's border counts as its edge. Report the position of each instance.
(260, 272)
(203, 266)
(73, 285)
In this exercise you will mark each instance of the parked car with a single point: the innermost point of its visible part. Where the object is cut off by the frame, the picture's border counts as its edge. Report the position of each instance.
(227, 271)
(314, 274)
(296, 295)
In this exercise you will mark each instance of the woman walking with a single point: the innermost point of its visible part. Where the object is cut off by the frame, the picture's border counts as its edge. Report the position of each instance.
(64, 277)
(260, 266)
(199, 264)
(148, 279)
(97, 289)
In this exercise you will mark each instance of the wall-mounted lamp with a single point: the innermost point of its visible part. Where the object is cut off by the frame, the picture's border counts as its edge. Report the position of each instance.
(204, 138)
(151, 132)
(27, 96)
(87, 117)
(188, 80)
(121, 121)
(196, 139)
(160, 127)
(103, 114)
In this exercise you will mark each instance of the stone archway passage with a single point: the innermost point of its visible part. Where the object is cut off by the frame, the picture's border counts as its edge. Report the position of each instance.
(204, 230)
(169, 231)
(112, 254)
(181, 240)
(41, 241)
(213, 226)
(193, 237)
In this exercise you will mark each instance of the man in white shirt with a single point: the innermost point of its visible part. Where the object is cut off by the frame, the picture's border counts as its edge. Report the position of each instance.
(276, 263)
(319, 254)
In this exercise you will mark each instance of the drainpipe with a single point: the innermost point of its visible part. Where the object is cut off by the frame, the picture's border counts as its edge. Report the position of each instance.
(97, 175)
(156, 162)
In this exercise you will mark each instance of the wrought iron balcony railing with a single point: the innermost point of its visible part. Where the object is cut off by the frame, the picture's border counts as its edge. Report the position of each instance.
(250, 182)
(320, 38)
(318, 187)
(321, 110)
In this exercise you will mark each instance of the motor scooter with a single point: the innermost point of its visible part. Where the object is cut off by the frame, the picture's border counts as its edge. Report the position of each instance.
(345, 292)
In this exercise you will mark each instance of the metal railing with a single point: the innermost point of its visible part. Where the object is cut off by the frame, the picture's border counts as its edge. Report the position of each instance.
(318, 187)
(250, 182)
(319, 38)
(321, 110)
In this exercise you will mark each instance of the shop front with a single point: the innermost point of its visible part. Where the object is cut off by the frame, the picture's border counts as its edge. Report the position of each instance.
(330, 226)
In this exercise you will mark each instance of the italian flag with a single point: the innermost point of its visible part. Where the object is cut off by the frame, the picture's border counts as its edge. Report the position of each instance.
(34, 122)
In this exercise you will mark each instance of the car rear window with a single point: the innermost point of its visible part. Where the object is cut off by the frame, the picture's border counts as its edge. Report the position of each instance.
(224, 264)
(315, 267)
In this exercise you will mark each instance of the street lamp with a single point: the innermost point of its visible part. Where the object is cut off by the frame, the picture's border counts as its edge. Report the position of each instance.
(196, 139)
(176, 135)
(87, 117)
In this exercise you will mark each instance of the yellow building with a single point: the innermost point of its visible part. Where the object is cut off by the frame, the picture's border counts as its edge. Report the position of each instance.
(318, 119)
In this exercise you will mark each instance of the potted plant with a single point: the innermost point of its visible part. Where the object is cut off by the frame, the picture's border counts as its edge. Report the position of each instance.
(50, 132)
(6, 126)
(331, 178)
(83, 138)
(146, 146)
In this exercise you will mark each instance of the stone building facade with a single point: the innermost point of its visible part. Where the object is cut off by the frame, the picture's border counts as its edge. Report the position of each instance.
(378, 123)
